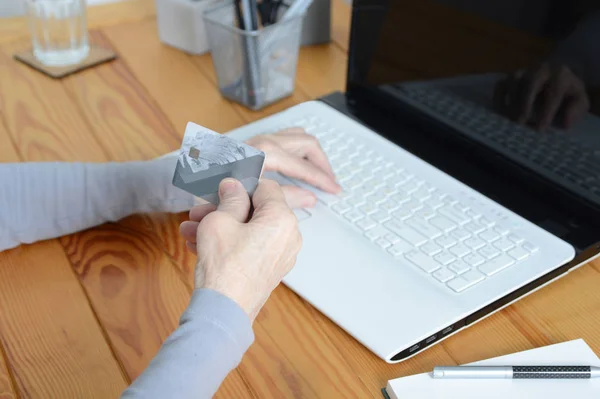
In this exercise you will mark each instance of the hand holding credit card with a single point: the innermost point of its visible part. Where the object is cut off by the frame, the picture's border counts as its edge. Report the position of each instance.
(207, 157)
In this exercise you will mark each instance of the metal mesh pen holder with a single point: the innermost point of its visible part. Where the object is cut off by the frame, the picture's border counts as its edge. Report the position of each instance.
(255, 68)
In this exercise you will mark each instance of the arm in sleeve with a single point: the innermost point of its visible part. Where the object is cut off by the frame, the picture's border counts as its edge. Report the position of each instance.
(213, 335)
(42, 200)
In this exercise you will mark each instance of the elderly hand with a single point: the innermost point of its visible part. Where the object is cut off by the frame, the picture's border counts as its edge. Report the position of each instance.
(243, 255)
(298, 155)
(539, 95)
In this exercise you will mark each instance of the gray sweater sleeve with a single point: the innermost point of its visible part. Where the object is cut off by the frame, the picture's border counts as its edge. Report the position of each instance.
(213, 334)
(42, 200)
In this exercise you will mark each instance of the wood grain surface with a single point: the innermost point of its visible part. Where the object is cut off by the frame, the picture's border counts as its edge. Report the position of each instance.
(7, 390)
(81, 316)
(52, 340)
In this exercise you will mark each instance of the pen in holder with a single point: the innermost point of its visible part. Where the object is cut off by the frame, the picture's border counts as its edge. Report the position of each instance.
(254, 68)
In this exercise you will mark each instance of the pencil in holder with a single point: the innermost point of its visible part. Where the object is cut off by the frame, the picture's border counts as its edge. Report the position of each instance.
(253, 68)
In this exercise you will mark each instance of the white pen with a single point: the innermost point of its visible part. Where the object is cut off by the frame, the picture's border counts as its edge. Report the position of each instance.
(517, 372)
(298, 7)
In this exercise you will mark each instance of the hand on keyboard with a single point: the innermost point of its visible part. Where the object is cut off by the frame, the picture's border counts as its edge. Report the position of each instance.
(538, 95)
(415, 222)
(298, 155)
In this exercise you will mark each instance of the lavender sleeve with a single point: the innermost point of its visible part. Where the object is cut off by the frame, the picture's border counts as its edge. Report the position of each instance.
(42, 200)
(213, 335)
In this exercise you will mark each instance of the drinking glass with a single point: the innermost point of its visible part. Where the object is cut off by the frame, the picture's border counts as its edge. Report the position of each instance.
(58, 31)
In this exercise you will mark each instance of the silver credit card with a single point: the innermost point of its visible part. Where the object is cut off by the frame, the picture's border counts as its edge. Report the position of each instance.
(207, 157)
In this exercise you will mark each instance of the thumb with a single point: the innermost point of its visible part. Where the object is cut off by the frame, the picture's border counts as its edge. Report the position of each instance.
(233, 199)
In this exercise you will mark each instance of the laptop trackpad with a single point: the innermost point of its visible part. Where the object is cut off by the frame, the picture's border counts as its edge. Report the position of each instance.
(302, 214)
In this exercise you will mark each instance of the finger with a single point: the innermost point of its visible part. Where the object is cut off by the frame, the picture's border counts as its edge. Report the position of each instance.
(575, 109)
(297, 197)
(291, 130)
(188, 230)
(533, 86)
(191, 247)
(299, 168)
(305, 146)
(500, 92)
(268, 196)
(554, 97)
(513, 94)
(198, 212)
(234, 200)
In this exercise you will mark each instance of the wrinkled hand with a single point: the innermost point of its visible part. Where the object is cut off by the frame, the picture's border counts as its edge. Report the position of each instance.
(539, 95)
(296, 154)
(240, 255)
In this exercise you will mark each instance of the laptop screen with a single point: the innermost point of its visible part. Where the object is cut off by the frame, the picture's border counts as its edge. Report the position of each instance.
(404, 40)
(494, 71)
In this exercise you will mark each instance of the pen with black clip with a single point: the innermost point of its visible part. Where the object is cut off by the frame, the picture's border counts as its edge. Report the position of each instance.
(517, 372)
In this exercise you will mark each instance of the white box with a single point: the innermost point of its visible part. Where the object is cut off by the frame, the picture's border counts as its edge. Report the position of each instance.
(180, 24)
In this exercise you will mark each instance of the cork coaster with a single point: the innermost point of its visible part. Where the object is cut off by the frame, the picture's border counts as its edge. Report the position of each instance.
(97, 55)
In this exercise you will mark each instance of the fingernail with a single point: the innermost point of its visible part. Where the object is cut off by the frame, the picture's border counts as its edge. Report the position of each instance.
(310, 201)
(227, 186)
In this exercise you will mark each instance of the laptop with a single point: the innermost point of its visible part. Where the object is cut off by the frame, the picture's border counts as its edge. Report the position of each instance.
(450, 211)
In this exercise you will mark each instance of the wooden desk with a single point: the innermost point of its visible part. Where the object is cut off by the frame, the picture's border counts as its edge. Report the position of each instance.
(81, 316)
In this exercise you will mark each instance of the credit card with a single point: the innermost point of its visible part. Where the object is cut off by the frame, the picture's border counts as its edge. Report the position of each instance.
(207, 157)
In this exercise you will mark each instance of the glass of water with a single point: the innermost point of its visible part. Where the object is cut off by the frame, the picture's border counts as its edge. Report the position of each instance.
(58, 31)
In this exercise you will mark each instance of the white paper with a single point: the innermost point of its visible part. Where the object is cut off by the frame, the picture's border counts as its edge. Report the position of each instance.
(572, 353)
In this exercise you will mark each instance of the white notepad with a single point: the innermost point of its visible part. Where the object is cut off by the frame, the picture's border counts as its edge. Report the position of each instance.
(572, 353)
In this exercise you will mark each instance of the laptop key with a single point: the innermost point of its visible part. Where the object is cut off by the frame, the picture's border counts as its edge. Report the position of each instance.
(459, 267)
(460, 234)
(368, 209)
(503, 244)
(515, 238)
(465, 281)
(376, 232)
(381, 216)
(402, 214)
(529, 247)
(495, 265)
(353, 215)
(443, 223)
(444, 258)
(430, 248)
(391, 237)
(459, 250)
(474, 243)
(383, 243)
(406, 233)
(423, 261)
(443, 275)
(489, 251)
(445, 241)
(389, 205)
(489, 235)
(423, 227)
(474, 259)
(454, 214)
(366, 224)
(474, 227)
(341, 208)
(399, 248)
(518, 253)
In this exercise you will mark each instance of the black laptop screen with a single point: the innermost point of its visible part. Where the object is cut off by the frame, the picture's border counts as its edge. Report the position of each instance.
(493, 72)
(403, 40)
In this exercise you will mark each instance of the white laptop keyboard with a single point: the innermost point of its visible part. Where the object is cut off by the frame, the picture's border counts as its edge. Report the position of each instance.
(413, 219)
